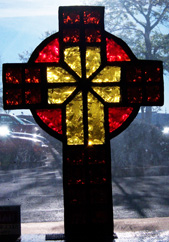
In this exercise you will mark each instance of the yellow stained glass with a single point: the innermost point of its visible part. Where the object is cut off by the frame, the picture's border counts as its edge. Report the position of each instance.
(96, 130)
(109, 74)
(93, 60)
(73, 59)
(60, 94)
(74, 121)
(109, 94)
(58, 75)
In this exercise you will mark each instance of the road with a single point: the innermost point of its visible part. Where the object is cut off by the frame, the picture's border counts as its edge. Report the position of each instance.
(39, 192)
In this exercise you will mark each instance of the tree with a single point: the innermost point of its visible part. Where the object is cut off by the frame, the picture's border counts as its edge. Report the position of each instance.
(142, 24)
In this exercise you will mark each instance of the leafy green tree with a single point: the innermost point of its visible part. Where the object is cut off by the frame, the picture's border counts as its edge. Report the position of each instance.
(142, 24)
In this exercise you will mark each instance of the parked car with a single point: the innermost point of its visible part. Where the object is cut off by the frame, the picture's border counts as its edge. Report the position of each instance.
(22, 149)
(15, 124)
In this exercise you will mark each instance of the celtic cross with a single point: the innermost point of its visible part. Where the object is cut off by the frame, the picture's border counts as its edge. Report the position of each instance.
(84, 86)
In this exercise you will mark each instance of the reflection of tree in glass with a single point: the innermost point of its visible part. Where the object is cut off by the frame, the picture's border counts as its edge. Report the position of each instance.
(142, 25)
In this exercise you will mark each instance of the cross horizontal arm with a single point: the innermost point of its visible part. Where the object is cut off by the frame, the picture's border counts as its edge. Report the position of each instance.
(26, 85)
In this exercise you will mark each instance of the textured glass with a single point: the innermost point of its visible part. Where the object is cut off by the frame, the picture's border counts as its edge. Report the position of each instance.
(33, 95)
(74, 121)
(72, 58)
(152, 74)
(92, 35)
(14, 75)
(134, 74)
(71, 35)
(96, 131)
(32, 75)
(115, 52)
(93, 60)
(135, 95)
(71, 17)
(91, 17)
(13, 97)
(117, 116)
(60, 94)
(97, 175)
(153, 93)
(52, 118)
(58, 75)
(109, 74)
(109, 94)
(50, 52)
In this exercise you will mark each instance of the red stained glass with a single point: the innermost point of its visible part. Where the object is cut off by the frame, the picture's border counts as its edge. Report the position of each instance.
(75, 156)
(115, 52)
(14, 75)
(76, 196)
(153, 93)
(153, 74)
(71, 35)
(98, 195)
(76, 175)
(135, 95)
(97, 175)
(91, 17)
(32, 75)
(96, 156)
(50, 52)
(33, 95)
(52, 118)
(14, 97)
(134, 74)
(117, 116)
(92, 35)
(71, 18)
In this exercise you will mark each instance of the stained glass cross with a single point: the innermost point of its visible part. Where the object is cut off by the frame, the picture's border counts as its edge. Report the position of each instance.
(84, 86)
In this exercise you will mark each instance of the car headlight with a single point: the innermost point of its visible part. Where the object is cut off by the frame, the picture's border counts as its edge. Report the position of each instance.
(4, 131)
(165, 130)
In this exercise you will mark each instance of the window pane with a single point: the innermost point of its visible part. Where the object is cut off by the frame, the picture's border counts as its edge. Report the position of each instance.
(74, 121)
(109, 74)
(60, 94)
(109, 94)
(72, 58)
(93, 60)
(58, 74)
(96, 130)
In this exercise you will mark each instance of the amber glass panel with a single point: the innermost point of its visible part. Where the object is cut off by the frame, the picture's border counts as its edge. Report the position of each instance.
(92, 35)
(52, 118)
(109, 94)
(93, 60)
(134, 95)
(14, 75)
(115, 52)
(72, 58)
(13, 97)
(71, 35)
(117, 116)
(32, 75)
(74, 121)
(50, 52)
(71, 17)
(109, 74)
(58, 75)
(153, 93)
(60, 94)
(91, 17)
(33, 95)
(96, 131)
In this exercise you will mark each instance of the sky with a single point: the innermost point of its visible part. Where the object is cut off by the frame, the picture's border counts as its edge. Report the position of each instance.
(23, 24)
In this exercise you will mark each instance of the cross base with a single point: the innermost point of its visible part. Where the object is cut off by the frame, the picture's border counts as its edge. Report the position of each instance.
(89, 238)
